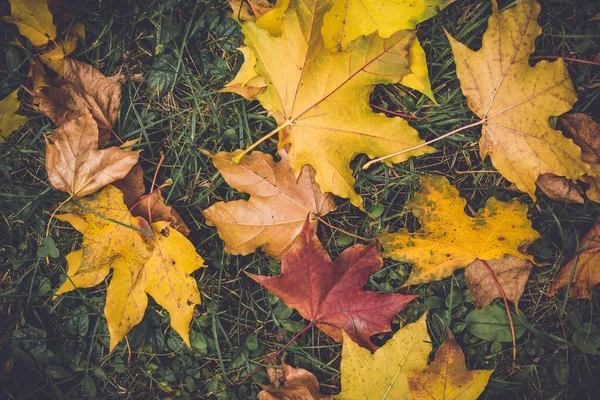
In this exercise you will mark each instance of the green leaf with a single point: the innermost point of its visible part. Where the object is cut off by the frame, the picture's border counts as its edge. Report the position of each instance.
(48, 248)
(561, 371)
(587, 339)
(491, 324)
(252, 342)
(162, 75)
(78, 322)
(30, 339)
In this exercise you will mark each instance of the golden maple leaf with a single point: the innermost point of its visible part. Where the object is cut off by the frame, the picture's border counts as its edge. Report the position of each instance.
(383, 374)
(33, 19)
(515, 100)
(349, 19)
(447, 377)
(278, 206)
(75, 164)
(450, 239)
(320, 100)
(10, 121)
(145, 259)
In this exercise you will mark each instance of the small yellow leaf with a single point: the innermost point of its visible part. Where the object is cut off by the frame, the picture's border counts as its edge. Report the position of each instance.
(247, 83)
(349, 19)
(382, 375)
(447, 377)
(146, 260)
(10, 121)
(450, 239)
(515, 100)
(418, 78)
(34, 20)
(271, 21)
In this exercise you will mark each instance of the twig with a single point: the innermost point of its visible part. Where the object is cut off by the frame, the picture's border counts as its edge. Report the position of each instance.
(568, 59)
(341, 230)
(395, 113)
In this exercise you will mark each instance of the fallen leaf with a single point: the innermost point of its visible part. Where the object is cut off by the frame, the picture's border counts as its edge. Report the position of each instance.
(145, 259)
(10, 121)
(320, 100)
(450, 239)
(330, 294)
(516, 100)
(33, 19)
(493, 325)
(299, 384)
(37, 78)
(349, 19)
(382, 375)
(586, 265)
(83, 88)
(247, 83)
(277, 209)
(75, 164)
(447, 376)
(586, 134)
(418, 78)
(54, 57)
(511, 272)
(150, 207)
(560, 189)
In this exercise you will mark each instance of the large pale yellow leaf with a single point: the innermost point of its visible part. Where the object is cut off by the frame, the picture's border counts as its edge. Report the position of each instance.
(515, 100)
(146, 260)
(34, 20)
(349, 19)
(320, 100)
(450, 239)
(382, 375)
(447, 377)
(75, 164)
(278, 205)
(10, 121)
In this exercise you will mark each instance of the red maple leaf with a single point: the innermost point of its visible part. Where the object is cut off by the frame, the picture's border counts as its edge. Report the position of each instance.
(330, 294)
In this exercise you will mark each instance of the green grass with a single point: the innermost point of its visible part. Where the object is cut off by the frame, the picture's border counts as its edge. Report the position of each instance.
(59, 348)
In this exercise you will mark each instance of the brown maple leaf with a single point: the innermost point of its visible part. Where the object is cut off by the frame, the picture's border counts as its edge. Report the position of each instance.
(587, 267)
(75, 164)
(151, 207)
(511, 272)
(278, 205)
(82, 88)
(291, 383)
(330, 294)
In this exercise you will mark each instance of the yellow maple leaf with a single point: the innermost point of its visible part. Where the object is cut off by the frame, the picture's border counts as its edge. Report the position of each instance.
(349, 19)
(33, 19)
(154, 260)
(320, 100)
(447, 377)
(450, 239)
(515, 100)
(10, 121)
(383, 374)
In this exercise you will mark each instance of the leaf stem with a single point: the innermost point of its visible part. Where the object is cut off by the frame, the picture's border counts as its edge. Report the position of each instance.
(274, 355)
(510, 321)
(395, 113)
(445, 135)
(238, 158)
(568, 59)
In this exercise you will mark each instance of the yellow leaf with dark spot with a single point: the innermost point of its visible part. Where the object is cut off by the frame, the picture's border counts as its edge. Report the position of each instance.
(320, 100)
(450, 239)
(382, 374)
(516, 100)
(34, 20)
(349, 19)
(146, 260)
(10, 121)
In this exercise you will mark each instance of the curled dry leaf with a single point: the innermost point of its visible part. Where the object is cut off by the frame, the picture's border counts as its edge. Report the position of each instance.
(145, 259)
(511, 272)
(278, 205)
(320, 100)
(330, 294)
(586, 134)
(83, 89)
(33, 19)
(349, 19)
(450, 239)
(587, 267)
(515, 100)
(10, 121)
(75, 164)
(151, 207)
(382, 375)
(447, 376)
(298, 384)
